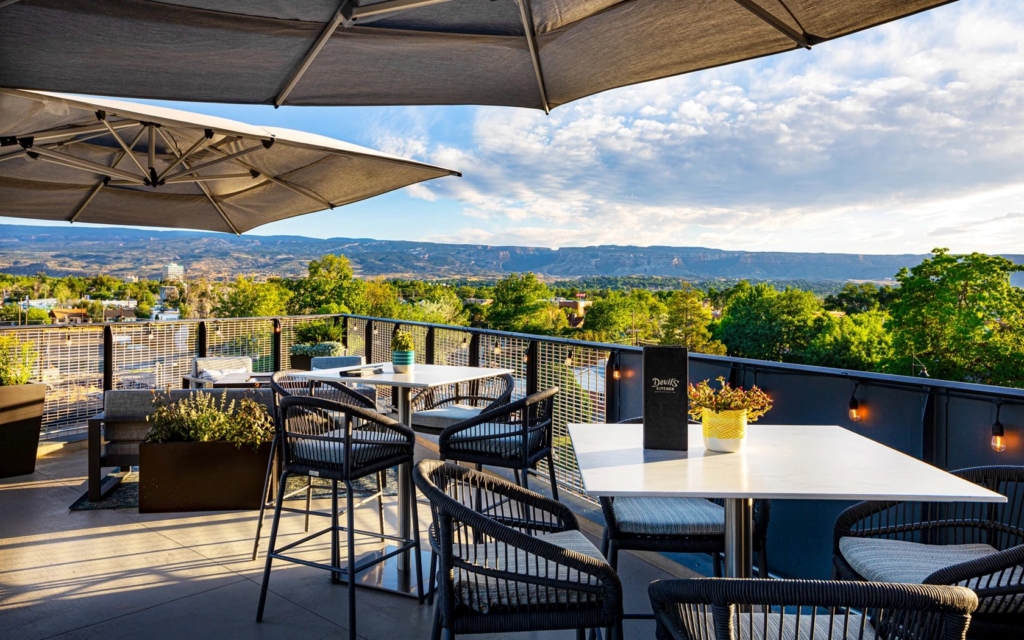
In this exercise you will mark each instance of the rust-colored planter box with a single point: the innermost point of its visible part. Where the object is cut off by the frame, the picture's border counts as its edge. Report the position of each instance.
(303, 363)
(21, 418)
(201, 476)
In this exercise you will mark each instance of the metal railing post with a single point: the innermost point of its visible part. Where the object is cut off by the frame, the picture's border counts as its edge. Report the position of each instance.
(429, 355)
(474, 350)
(532, 367)
(201, 335)
(275, 349)
(108, 358)
(368, 340)
(340, 321)
(611, 388)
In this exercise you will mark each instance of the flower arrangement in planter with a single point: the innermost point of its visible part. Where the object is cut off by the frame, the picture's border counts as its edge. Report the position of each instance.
(725, 412)
(403, 351)
(204, 453)
(314, 339)
(21, 407)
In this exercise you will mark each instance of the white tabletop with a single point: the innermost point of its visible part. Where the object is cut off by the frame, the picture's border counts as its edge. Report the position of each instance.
(423, 376)
(779, 461)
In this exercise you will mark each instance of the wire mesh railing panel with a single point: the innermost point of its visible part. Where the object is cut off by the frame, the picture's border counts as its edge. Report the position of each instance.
(152, 356)
(451, 347)
(579, 373)
(243, 337)
(70, 364)
(355, 336)
(382, 332)
(506, 353)
(419, 338)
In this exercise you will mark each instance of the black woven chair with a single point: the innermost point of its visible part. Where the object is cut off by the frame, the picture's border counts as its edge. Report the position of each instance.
(976, 545)
(287, 383)
(439, 407)
(342, 443)
(681, 525)
(733, 609)
(513, 436)
(511, 559)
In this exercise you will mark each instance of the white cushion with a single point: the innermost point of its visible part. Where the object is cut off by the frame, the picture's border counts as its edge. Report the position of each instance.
(216, 375)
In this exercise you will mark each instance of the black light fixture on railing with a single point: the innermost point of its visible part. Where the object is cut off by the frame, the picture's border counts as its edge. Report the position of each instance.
(998, 437)
(855, 413)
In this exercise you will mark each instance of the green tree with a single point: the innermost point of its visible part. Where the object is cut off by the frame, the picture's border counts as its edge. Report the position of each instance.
(688, 320)
(246, 298)
(859, 298)
(521, 304)
(764, 323)
(960, 316)
(329, 287)
(380, 299)
(856, 341)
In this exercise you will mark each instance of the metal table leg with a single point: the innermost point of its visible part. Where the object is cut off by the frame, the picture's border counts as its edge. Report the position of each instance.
(739, 538)
(404, 499)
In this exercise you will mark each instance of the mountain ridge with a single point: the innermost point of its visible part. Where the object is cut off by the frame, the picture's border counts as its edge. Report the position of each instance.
(121, 251)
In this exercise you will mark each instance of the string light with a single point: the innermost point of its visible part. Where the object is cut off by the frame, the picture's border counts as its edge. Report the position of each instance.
(67, 337)
(216, 329)
(854, 405)
(568, 358)
(465, 342)
(998, 437)
(497, 349)
(149, 332)
(616, 374)
(526, 357)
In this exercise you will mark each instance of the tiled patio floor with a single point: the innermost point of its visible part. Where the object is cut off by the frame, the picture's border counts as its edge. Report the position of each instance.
(119, 574)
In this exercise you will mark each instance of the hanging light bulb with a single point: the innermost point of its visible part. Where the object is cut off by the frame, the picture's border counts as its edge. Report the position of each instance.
(67, 337)
(616, 374)
(216, 329)
(854, 405)
(998, 437)
(526, 358)
(497, 349)
(568, 359)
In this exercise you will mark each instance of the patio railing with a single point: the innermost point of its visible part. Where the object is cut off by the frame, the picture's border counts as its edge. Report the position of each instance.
(945, 423)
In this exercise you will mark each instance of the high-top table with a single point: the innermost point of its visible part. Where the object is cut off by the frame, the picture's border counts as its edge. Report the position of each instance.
(423, 376)
(778, 462)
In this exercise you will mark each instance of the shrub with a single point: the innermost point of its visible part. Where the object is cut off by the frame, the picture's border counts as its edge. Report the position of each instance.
(317, 331)
(201, 417)
(318, 349)
(17, 358)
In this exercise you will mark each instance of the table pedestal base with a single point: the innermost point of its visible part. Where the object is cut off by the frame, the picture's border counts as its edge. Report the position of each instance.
(739, 538)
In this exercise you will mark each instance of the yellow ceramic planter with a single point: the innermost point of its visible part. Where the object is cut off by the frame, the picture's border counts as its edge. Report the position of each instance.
(724, 431)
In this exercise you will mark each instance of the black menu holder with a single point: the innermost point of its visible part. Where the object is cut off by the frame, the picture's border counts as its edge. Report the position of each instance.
(665, 398)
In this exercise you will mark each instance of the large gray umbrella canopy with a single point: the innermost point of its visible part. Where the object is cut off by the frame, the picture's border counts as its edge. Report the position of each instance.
(67, 158)
(524, 53)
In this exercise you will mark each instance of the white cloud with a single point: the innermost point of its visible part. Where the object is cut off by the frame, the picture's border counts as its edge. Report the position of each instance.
(887, 141)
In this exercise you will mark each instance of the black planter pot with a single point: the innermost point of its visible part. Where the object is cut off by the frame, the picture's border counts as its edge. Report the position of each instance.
(201, 476)
(303, 363)
(21, 418)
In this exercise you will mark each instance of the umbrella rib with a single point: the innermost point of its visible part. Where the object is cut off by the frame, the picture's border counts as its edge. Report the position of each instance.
(206, 192)
(4, 3)
(124, 145)
(206, 165)
(803, 39)
(531, 43)
(102, 183)
(51, 134)
(194, 148)
(325, 35)
(83, 165)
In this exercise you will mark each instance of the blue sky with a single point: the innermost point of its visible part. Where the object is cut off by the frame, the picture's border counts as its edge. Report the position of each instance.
(898, 139)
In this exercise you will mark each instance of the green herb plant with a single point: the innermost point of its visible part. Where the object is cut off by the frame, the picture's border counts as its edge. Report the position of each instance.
(17, 359)
(727, 398)
(402, 341)
(202, 417)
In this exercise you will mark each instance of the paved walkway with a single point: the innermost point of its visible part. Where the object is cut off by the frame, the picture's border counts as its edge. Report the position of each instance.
(119, 574)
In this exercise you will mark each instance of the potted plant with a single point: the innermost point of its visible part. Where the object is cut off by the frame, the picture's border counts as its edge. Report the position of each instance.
(21, 407)
(725, 412)
(403, 352)
(314, 339)
(204, 453)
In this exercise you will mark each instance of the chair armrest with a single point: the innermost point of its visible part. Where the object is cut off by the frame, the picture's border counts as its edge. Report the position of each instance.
(995, 563)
